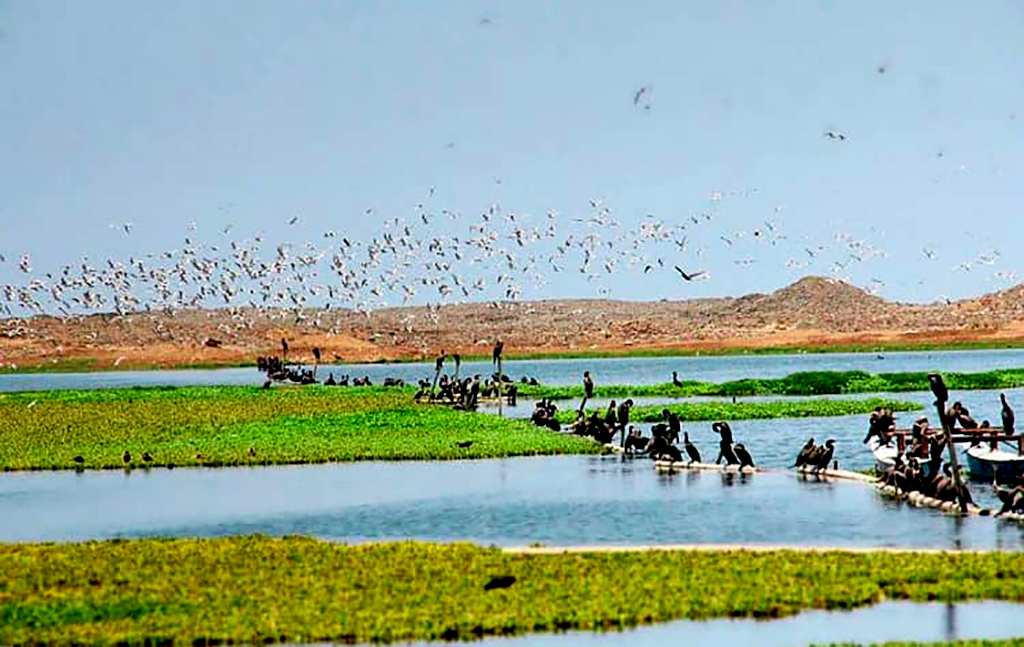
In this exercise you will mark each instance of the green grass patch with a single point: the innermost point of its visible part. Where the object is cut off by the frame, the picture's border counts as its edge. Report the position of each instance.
(697, 411)
(256, 589)
(215, 426)
(802, 383)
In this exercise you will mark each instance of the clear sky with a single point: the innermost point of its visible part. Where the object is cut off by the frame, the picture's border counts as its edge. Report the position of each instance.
(249, 113)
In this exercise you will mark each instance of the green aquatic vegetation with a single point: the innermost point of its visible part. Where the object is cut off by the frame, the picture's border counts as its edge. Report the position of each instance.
(258, 589)
(698, 411)
(801, 383)
(215, 426)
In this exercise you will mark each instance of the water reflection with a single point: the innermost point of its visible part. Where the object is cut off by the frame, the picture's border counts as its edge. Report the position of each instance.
(556, 500)
(885, 622)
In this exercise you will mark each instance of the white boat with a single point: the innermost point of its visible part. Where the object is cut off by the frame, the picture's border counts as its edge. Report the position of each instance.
(985, 463)
(885, 455)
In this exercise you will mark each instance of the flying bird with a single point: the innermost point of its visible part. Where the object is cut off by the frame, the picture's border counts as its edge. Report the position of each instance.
(689, 277)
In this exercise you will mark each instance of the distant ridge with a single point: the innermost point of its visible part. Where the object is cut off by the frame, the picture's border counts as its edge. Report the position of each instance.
(813, 311)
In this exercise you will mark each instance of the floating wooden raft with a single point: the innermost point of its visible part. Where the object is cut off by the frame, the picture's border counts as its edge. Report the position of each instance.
(845, 475)
(686, 465)
(923, 501)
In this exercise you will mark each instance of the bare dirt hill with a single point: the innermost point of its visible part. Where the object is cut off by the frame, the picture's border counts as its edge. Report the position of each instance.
(813, 311)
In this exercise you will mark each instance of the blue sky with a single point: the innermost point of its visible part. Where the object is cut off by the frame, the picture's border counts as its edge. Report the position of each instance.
(249, 113)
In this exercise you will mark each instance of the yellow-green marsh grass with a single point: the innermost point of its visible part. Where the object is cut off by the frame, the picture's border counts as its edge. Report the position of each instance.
(215, 426)
(256, 589)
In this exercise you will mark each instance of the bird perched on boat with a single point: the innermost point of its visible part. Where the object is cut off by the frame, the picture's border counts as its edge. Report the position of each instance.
(824, 456)
(691, 449)
(588, 385)
(675, 380)
(126, 457)
(743, 455)
(938, 387)
(500, 582)
(1008, 417)
(805, 453)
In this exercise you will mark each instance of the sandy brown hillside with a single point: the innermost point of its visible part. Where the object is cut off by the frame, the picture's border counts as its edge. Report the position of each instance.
(812, 311)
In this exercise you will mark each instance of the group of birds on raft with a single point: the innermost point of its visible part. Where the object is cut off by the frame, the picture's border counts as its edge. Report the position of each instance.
(662, 444)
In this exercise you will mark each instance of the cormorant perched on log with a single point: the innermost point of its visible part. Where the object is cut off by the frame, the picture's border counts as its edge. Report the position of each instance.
(588, 385)
(724, 430)
(743, 455)
(675, 380)
(824, 455)
(1012, 498)
(691, 449)
(805, 453)
(1008, 417)
(938, 387)
(661, 449)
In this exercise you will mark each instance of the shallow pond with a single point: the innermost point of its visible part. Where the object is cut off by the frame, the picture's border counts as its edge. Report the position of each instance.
(556, 500)
(644, 370)
(888, 621)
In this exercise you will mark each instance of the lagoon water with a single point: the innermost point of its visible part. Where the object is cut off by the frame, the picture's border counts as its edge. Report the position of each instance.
(565, 500)
(643, 370)
(885, 622)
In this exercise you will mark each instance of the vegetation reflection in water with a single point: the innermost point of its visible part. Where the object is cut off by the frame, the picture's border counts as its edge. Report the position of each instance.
(255, 589)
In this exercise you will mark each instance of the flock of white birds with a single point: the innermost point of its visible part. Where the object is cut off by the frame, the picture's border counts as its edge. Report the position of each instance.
(433, 257)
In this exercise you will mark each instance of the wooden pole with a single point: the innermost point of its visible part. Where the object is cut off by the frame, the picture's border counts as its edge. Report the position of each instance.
(939, 389)
(500, 389)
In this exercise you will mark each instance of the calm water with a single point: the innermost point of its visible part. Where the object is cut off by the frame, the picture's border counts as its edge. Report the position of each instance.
(889, 621)
(568, 371)
(556, 500)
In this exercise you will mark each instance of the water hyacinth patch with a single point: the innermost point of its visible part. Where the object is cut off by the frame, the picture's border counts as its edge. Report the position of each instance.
(215, 426)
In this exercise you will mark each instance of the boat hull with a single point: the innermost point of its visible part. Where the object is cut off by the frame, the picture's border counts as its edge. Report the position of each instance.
(986, 464)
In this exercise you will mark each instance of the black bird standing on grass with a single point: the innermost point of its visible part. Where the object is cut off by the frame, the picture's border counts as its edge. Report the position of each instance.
(78, 460)
(1008, 417)
(675, 380)
(500, 582)
(465, 444)
(126, 457)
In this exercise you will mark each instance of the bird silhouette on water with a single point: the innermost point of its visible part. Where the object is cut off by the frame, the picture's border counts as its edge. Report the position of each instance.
(500, 582)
